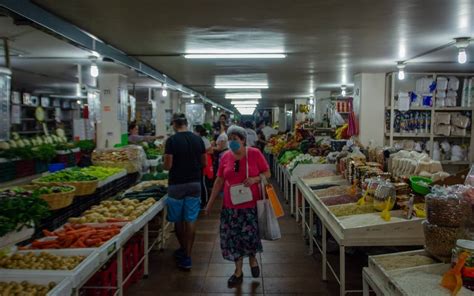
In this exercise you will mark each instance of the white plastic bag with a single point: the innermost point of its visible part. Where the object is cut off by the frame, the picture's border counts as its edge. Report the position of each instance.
(268, 226)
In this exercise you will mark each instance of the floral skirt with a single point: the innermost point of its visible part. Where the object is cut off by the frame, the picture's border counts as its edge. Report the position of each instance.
(239, 233)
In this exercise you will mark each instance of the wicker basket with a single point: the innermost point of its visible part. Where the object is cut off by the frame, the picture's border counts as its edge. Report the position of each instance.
(55, 201)
(83, 188)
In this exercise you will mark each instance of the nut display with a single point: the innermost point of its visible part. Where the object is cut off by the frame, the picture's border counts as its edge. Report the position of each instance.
(439, 240)
(25, 288)
(351, 209)
(40, 261)
(115, 211)
(448, 210)
(339, 200)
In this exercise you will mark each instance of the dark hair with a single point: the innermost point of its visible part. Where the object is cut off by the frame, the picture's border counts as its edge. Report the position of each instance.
(223, 114)
(201, 130)
(248, 124)
(260, 123)
(179, 119)
(132, 126)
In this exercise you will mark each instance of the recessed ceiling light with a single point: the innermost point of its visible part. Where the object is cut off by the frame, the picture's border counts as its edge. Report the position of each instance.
(241, 86)
(235, 56)
(462, 43)
(244, 102)
(401, 70)
(243, 96)
(246, 106)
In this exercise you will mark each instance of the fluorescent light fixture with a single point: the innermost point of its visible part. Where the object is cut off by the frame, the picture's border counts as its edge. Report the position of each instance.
(401, 70)
(343, 90)
(311, 100)
(94, 70)
(235, 56)
(244, 102)
(242, 86)
(192, 101)
(164, 92)
(246, 106)
(243, 96)
(78, 101)
(462, 43)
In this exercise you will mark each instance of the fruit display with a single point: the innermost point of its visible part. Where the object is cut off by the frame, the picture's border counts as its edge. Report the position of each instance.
(304, 159)
(99, 172)
(115, 211)
(53, 189)
(25, 288)
(20, 208)
(147, 190)
(75, 236)
(42, 261)
(67, 176)
(287, 156)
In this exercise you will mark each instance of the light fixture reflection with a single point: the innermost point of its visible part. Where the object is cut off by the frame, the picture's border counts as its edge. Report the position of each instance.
(243, 96)
(236, 56)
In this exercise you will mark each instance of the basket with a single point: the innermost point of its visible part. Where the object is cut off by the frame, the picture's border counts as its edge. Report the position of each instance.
(83, 188)
(420, 188)
(55, 201)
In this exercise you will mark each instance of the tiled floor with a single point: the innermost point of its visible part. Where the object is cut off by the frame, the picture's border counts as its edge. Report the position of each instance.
(286, 267)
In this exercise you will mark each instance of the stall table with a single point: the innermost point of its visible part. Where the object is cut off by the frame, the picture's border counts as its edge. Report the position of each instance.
(356, 230)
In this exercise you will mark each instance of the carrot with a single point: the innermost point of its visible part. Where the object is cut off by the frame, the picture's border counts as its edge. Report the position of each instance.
(92, 242)
(48, 233)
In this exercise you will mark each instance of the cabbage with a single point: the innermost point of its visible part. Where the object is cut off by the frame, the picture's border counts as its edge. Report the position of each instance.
(12, 144)
(4, 146)
(20, 143)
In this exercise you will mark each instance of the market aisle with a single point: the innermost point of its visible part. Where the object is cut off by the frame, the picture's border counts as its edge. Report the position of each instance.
(286, 267)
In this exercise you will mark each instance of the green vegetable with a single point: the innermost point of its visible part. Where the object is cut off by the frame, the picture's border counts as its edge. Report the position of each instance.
(72, 175)
(85, 145)
(152, 153)
(19, 208)
(101, 173)
(45, 152)
(24, 153)
(53, 189)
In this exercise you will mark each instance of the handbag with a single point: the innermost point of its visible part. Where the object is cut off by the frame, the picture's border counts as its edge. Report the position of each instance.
(239, 193)
(268, 226)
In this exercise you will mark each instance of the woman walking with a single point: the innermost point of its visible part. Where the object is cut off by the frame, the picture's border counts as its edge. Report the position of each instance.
(241, 166)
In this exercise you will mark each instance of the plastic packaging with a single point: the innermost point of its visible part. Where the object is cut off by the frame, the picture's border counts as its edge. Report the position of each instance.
(439, 240)
(442, 118)
(441, 83)
(385, 192)
(447, 209)
(457, 131)
(453, 83)
(460, 120)
(443, 129)
(132, 158)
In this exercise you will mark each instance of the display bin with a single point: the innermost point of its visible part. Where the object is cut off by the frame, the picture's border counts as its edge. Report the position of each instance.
(149, 214)
(63, 283)
(77, 276)
(105, 277)
(24, 168)
(14, 237)
(40, 167)
(7, 170)
(67, 158)
(112, 178)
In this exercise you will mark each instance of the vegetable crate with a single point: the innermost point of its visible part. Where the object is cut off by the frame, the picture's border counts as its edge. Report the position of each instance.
(24, 168)
(40, 167)
(107, 276)
(68, 159)
(7, 171)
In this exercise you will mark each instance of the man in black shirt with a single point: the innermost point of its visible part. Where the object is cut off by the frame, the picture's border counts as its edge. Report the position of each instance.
(185, 156)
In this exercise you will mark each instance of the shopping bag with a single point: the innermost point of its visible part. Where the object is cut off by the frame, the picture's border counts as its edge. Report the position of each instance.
(268, 226)
(274, 201)
(208, 171)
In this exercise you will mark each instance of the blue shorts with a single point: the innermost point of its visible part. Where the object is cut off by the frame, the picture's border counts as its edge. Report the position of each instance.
(184, 209)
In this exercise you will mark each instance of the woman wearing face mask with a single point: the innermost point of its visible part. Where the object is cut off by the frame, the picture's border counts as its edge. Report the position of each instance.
(241, 166)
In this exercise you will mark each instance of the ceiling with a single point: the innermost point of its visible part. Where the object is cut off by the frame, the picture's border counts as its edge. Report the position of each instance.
(326, 42)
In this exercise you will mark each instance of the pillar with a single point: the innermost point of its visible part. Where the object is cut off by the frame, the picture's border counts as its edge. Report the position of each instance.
(162, 104)
(209, 113)
(282, 119)
(112, 129)
(369, 101)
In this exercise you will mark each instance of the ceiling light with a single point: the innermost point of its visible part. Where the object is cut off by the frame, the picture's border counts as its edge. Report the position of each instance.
(94, 70)
(401, 70)
(311, 100)
(462, 43)
(245, 106)
(164, 92)
(343, 90)
(241, 86)
(244, 102)
(235, 56)
(95, 53)
(243, 96)
(78, 101)
(192, 101)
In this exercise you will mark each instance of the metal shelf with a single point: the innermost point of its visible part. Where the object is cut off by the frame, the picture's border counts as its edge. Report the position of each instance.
(452, 162)
(408, 135)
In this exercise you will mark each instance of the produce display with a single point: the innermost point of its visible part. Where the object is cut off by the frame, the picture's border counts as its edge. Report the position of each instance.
(99, 172)
(404, 261)
(351, 209)
(115, 211)
(288, 156)
(20, 208)
(439, 240)
(75, 236)
(339, 200)
(156, 176)
(319, 174)
(25, 288)
(147, 190)
(43, 261)
(304, 159)
(130, 158)
(67, 176)
(447, 210)
(53, 189)
(333, 191)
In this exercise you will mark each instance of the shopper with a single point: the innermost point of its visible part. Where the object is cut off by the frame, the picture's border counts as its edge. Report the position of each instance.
(239, 228)
(185, 156)
(135, 138)
(251, 134)
(221, 146)
(208, 172)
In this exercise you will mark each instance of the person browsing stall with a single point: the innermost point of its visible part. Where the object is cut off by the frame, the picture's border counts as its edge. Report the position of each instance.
(240, 167)
(185, 157)
(135, 138)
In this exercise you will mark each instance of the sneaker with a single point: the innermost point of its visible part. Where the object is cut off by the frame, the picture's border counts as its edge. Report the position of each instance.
(185, 263)
(179, 254)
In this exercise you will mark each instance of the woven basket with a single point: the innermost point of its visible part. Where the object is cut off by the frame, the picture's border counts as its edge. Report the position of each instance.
(55, 201)
(83, 188)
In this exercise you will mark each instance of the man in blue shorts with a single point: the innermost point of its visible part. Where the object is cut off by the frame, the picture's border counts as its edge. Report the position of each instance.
(185, 156)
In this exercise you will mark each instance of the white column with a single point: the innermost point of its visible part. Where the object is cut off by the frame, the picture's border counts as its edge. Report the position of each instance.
(175, 101)
(282, 119)
(369, 97)
(111, 129)
(209, 113)
(162, 104)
